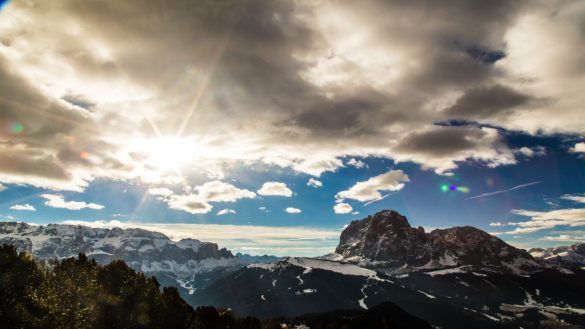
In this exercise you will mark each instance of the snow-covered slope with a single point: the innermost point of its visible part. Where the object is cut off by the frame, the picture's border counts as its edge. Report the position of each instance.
(573, 255)
(188, 264)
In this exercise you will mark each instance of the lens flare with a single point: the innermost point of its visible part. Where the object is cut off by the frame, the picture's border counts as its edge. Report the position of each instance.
(447, 188)
(16, 127)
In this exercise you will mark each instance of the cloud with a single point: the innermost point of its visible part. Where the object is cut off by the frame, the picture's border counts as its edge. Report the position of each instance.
(225, 212)
(574, 197)
(257, 240)
(359, 164)
(198, 199)
(58, 201)
(217, 191)
(485, 102)
(275, 189)
(342, 208)
(191, 203)
(497, 224)
(263, 209)
(532, 152)
(291, 84)
(483, 195)
(26, 207)
(314, 183)
(2, 188)
(564, 238)
(292, 210)
(540, 220)
(161, 191)
(578, 148)
(369, 190)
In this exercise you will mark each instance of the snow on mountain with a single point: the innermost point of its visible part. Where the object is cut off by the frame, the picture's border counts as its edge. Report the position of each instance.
(573, 255)
(188, 264)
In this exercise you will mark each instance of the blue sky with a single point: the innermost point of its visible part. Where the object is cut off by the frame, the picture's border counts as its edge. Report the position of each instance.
(170, 113)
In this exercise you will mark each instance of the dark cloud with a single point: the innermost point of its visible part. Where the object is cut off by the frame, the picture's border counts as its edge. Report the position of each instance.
(486, 102)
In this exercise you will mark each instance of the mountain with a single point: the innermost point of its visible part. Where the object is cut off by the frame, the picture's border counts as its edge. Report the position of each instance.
(387, 242)
(568, 256)
(452, 278)
(187, 264)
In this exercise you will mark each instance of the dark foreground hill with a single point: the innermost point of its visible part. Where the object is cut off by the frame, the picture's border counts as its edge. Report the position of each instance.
(79, 293)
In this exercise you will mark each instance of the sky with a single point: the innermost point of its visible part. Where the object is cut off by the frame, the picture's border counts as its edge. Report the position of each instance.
(268, 126)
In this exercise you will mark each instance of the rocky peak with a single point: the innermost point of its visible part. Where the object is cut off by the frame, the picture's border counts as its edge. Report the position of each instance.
(387, 240)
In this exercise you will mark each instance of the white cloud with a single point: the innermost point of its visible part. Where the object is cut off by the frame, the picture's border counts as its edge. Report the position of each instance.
(226, 211)
(359, 164)
(2, 188)
(540, 220)
(564, 238)
(191, 203)
(217, 191)
(574, 197)
(342, 208)
(263, 209)
(355, 213)
(532, 152)
(26, 207)
(58, 201)
(369, 190)
(276, 189)
(314, 183)
(257, 240)
(160, 191)
(579, 148)
(293, 210)
(497, 224)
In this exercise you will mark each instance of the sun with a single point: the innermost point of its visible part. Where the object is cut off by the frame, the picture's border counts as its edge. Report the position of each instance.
(168, 153)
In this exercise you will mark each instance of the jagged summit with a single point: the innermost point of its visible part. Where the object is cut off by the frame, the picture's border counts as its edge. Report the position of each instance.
(387, 240)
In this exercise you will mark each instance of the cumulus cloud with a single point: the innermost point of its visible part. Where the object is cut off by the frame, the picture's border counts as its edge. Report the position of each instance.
(370, 189)
(540, 220)
(359, 164)
(293, 210)
(342, 208)
(497, 224)
(2, 188)
(225, 212)
(275, 189)
(314, 183)
(579, 198)
(292, 84)
(198, 199)
(191, 203)
(217, 191)
(160, 191)
(25, 207)
(58, 201)
(578, 148)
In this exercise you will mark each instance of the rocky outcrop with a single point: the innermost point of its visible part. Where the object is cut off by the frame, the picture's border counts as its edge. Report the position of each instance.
(387, 240)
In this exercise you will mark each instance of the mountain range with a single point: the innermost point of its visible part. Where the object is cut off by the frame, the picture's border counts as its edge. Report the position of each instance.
(475, 278)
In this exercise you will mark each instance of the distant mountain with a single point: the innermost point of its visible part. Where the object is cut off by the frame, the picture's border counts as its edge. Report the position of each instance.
(569, 256)
(452, 278)
(387, 242)
(187, 264)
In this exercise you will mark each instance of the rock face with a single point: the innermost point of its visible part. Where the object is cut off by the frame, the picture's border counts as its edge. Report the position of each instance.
(386, 240)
